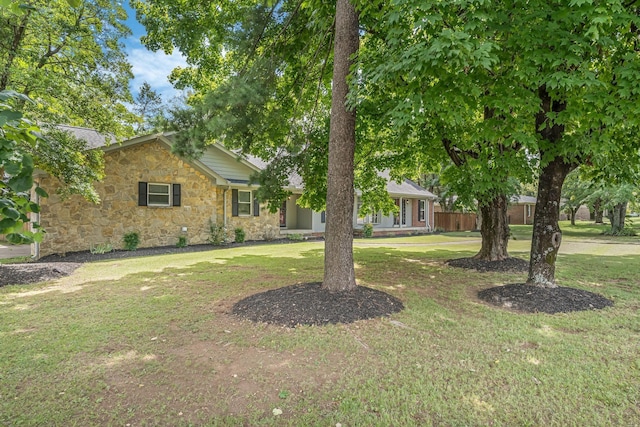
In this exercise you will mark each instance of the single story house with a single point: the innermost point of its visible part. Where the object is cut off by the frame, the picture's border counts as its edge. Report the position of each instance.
(151, 191)
(521, 210)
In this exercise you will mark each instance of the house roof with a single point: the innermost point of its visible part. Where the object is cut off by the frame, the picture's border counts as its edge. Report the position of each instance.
(92, 137)
(523, 200)
(404, 188)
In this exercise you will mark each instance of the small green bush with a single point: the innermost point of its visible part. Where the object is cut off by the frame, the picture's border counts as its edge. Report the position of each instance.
(101, 248)
(239, 232)
(131, 241)
(367, 230)
(296, 237)
(217, 233)
(182, 242)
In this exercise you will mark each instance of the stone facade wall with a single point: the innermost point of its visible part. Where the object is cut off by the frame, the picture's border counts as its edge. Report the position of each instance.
(265, 226)
(75, 224)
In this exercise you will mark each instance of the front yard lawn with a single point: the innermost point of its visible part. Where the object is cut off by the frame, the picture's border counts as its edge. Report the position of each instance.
(151, 341)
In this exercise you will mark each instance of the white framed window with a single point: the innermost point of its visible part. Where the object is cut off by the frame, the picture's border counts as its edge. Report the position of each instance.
(244, 202)
(422, 209)
(368, 218)
(159, 194)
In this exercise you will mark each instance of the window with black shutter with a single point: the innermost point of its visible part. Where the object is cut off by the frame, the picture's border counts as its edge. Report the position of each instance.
(159, 194)
(176, 195)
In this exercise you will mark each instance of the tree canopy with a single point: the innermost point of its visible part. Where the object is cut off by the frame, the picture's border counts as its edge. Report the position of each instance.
(68, 57)
(479, 75)
(469, 82)
(16, 171)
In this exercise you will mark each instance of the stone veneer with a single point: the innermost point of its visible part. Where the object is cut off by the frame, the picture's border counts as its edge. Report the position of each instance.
(75, 224)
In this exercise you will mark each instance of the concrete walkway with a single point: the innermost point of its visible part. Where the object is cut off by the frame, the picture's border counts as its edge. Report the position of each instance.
(12, 251)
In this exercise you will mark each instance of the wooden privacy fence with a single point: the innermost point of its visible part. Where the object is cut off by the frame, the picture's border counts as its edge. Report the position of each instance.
(455, 221)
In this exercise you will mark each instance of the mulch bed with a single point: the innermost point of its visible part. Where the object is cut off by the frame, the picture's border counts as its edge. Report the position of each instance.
(21, 274)
(527, 298)
(53, 267)
(309, 304)
(86, 256)
(534, 299)
(507, 265)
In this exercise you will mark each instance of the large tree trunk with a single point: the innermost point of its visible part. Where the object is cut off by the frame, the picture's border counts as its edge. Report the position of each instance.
(494, 229)
(546, 238)
(339, 272)
(546, 231)
(617, 216)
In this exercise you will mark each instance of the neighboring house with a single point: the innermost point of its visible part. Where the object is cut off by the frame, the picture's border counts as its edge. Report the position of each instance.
(582, 214)
(151, 191)
(415, 212)
(521, 210)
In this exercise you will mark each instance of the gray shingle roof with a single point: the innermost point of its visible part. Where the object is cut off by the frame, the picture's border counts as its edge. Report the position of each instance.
(92, 137)
(525, 200)
(405, 188)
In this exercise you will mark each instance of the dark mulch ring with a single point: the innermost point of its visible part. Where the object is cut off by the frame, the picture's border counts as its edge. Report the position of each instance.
(507, 265)
(534, 299)
(308, 304)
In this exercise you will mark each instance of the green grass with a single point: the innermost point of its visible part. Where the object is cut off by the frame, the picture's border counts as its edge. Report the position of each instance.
(15, 260)
(149, 341)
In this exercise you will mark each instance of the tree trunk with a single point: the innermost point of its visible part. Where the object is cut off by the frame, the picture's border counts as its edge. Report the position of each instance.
(339, 272)
(597, 211)
(617, 217)
(494, 230)
(573, 216)
(546, 231)
(546, 238)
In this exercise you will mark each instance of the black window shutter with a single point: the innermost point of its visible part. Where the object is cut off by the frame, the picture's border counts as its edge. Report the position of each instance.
(323, 217)
(256, 207)
(234, 202)
(142, 194)
(176, 195)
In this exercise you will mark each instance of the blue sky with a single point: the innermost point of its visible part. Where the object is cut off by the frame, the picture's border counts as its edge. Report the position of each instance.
(152, 67)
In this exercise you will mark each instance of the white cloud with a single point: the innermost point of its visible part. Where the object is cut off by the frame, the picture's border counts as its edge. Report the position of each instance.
(153, 68)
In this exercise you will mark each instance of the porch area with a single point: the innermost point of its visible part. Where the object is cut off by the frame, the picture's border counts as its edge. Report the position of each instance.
(357, 232)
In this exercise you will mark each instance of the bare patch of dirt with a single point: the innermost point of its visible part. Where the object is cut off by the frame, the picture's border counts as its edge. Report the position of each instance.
(228, 375)
(534, 299)
(19, 274)
(505, 266)
(309, 304)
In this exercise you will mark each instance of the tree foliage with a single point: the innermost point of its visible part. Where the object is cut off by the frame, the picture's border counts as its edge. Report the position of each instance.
(70, 60)
(68, 57)
(148, 106)
(478, 77)
(264, 85)
(16, 171)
